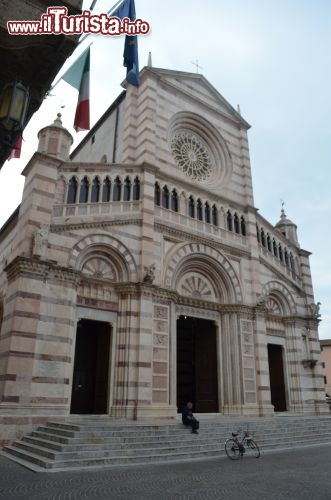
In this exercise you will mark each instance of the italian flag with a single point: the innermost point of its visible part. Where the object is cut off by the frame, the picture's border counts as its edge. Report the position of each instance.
(79, 77)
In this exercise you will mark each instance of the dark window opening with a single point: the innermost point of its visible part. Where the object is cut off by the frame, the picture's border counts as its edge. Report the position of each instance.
(174, 200)
(84, 188)
(214, 215)
(243, 226)
(127, 190)
(136, 189)
(165, 197)
(157, 195)
(95, 193)
(199, 210)
(236, 223)
(106, 186)
(117, 189)
(191, 207)
(207, 212)
(229, 221)
(72, 191)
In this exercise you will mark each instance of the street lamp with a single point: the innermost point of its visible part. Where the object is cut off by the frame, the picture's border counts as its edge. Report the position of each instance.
(13, 107)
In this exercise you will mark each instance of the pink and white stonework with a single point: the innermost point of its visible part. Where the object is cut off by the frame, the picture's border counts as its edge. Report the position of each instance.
(137, 273)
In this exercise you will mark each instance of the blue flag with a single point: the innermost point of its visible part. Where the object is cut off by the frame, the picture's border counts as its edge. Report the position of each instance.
(131, 51)
(122, 10)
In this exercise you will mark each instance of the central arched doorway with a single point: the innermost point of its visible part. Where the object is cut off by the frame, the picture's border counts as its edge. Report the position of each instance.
(197, 364)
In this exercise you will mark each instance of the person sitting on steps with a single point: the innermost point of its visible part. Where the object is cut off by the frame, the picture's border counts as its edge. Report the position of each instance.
(189, 419)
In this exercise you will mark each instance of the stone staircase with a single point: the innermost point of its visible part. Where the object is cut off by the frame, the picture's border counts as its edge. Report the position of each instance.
(94, 442)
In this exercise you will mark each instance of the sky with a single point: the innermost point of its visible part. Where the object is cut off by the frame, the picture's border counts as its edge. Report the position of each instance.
(272, 57)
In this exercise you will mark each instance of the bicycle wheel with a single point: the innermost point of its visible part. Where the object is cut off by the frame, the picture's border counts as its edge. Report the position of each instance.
(252, 448)
(232, 449)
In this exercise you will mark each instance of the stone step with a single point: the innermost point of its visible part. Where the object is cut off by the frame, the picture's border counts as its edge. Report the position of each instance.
(120, 432)
(73, 463)
(119, 453)
(104, 442)
(74, 444)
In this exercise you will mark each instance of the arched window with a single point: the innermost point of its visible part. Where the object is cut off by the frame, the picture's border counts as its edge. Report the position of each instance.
(106, 185)
(95, 193)
(84, 188)
(165, 197)
(229, 221)
(72, 190)
(268, 242)
(292, 262)
(280, 252)
(214, 215)
(287, 263)
(127, 189)
(243, 225)
(1, 314)
(191, 207)
(236, 223)
(136, 189)
(207, 212)
(262, 238)
(157, 195)
(258, 233)
(274, 247)
(199, 209)
(117, 189)
(174, 200)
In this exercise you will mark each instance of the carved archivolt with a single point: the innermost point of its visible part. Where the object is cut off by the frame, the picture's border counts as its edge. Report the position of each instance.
(198, 268)
(102, 256)
(279, 299)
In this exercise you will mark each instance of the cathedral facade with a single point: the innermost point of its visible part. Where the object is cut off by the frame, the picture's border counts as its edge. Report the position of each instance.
(137, 274)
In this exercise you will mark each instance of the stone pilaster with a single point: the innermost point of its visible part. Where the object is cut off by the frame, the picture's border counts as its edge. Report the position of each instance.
(36, 349)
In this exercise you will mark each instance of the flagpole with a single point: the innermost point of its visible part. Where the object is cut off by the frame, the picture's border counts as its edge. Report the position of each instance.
(58, 81)
(114, 7)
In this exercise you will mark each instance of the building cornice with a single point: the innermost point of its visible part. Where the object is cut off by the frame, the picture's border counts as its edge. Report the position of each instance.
(57, 228)
(41, 268)
(183, 235)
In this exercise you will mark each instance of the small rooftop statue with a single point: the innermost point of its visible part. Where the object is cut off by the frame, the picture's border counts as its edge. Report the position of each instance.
(315, 309)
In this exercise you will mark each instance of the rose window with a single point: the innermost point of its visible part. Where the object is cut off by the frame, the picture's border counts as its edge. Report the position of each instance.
(191, 155)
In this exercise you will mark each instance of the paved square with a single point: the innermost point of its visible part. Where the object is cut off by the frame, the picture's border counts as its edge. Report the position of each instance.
(301, 474)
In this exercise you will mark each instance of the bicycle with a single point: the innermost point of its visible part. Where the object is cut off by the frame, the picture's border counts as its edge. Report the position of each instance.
(236, 447)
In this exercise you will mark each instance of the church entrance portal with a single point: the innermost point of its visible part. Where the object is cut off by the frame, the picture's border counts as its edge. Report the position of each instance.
(91, 368)
(197, 364)
(276, 372)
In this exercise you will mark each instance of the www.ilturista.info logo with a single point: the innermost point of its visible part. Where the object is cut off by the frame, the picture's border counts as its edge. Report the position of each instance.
(57, 21)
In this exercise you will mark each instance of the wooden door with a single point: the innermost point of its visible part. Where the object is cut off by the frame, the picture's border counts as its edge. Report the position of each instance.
(91, 368)
(197, 364)
(276, 372)
(206, 368)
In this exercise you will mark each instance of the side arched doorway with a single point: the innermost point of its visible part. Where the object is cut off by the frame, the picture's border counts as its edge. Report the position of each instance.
(90, 387)
(197, 364)
(277, 379)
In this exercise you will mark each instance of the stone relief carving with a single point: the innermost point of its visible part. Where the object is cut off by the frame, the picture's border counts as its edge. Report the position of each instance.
(160, 312)
(262, 300)
(149, 276)
(197, 287)
(100, 268)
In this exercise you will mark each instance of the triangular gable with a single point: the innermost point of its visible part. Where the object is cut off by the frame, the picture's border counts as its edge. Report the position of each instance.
(197, 87)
